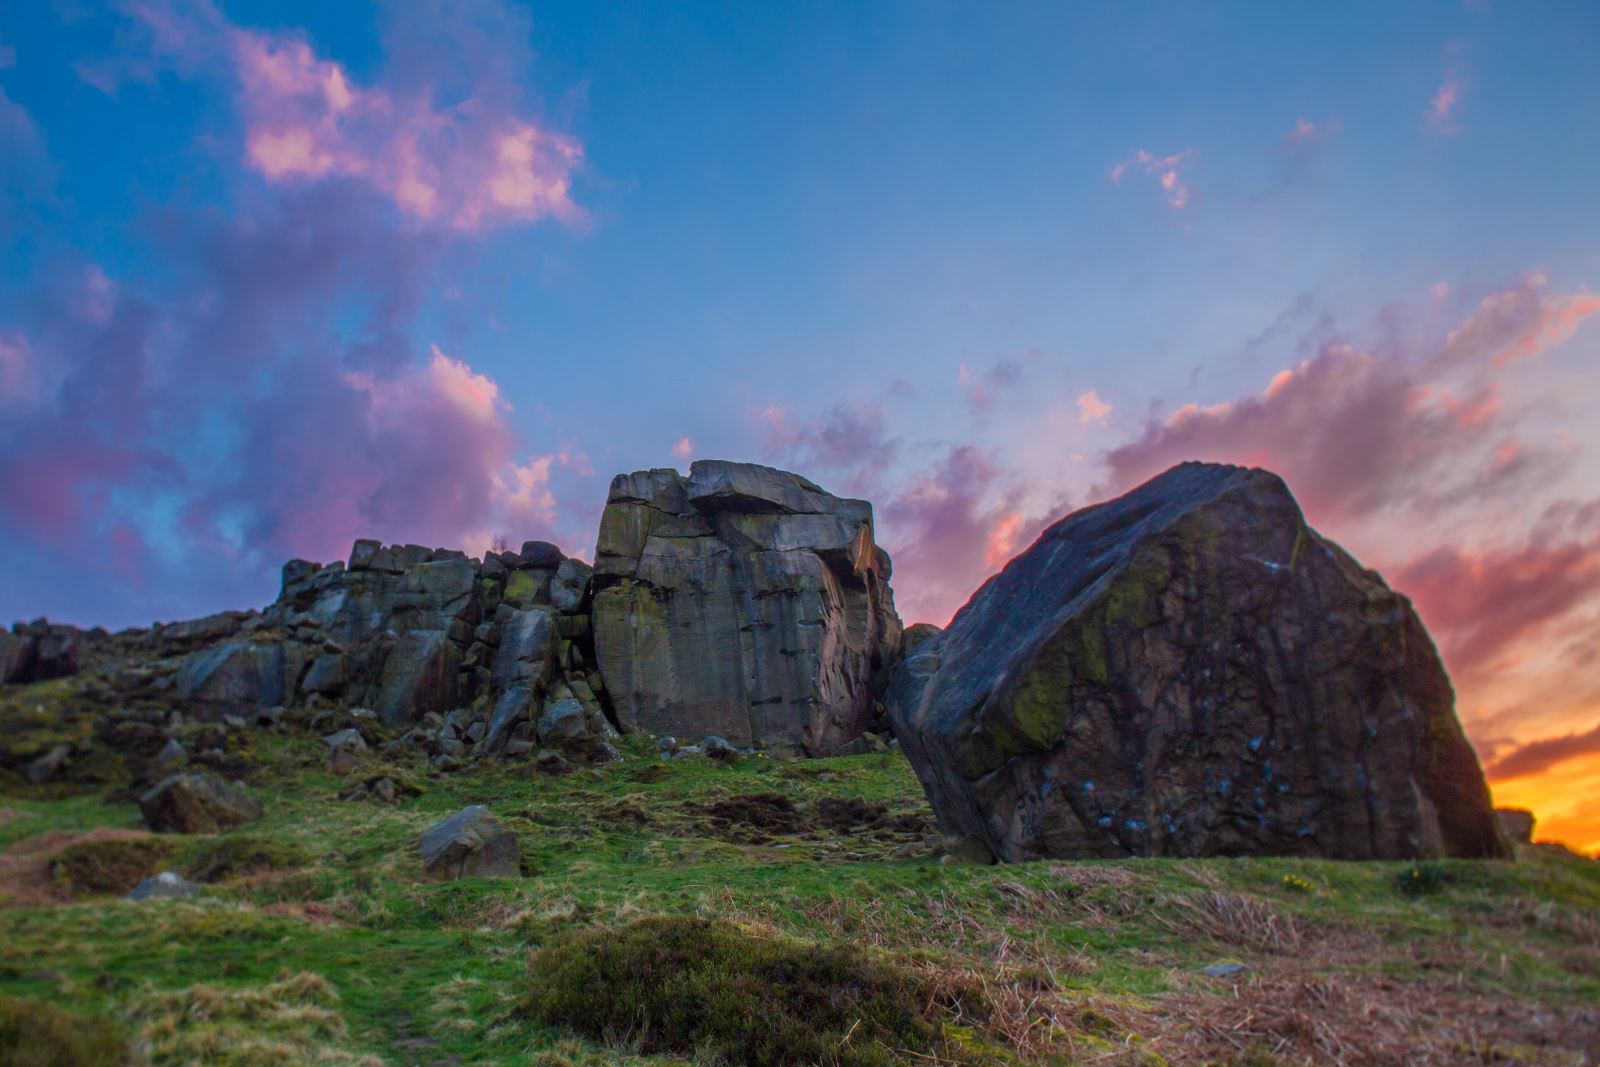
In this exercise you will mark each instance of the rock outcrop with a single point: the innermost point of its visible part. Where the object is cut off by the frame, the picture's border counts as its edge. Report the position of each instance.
(1190, 670)
(408, 632)
(37, 652)
(744, 602)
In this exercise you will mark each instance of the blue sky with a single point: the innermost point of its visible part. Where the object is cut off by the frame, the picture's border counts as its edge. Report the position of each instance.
(272, 281)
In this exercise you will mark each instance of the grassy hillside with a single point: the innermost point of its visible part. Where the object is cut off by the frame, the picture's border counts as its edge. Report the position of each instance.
(837, 923)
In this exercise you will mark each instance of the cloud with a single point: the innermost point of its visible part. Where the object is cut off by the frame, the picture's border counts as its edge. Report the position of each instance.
(849, 440)
(1165, 169)
(1483, 606)
(983, 389)
(1440, 112)
(1516, 324)
(951, 526)
(263, 388)
(683, 448)
(1536, 757)
(1092, 409)
(1356, 433)
(468, 164)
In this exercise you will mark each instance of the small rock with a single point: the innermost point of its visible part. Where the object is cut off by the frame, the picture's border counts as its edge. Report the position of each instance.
(234, 722)
(516, 748)
(348, 738)
(548, 762)
(196, 804)
(563, 721)
(604, 752)
(667, 745)
(165, 885)
(49, 765)
(173, 754)
(1226, 969)
(472, 843)
(717, 748)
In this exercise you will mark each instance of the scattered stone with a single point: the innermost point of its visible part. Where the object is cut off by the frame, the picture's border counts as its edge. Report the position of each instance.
(173, 754)
(166, 885)
(1226, 969)
(666, 746)
(196, 803)
(548, 762)
(472, 843)
(1191, 670)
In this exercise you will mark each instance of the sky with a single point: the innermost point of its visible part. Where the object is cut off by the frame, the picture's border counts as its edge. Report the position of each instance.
(278, 275)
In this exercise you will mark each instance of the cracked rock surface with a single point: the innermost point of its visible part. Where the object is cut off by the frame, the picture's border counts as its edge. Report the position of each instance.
(1191, 670)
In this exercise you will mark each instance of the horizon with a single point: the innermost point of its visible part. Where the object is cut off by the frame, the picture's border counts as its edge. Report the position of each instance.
(279, 276)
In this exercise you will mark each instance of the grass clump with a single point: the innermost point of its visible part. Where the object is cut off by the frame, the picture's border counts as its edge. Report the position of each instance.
(35, 1034)
(294, 1020)
(111, 865)
(1422, 879)
(711, 988)
(221, 858)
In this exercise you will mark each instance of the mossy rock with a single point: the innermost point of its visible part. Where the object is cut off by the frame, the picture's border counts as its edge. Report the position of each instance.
(707, 988)
(35, 1034)
(111, 866)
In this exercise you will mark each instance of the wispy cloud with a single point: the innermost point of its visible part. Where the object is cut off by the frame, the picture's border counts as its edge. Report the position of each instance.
(1166, 170)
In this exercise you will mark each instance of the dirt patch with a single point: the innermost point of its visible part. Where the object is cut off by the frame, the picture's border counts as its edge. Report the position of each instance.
(756, 818)
(1370, 1021)
(26, 880)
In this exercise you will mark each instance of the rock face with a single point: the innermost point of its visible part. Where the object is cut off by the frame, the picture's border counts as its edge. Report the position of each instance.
(37, 652)
(406, 631)
(741, 601)
(196, 804)
(1190, 670)
(472, 843)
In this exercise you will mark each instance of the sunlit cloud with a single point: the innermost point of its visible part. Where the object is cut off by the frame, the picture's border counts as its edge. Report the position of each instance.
(1092, 409)
(1165, 169)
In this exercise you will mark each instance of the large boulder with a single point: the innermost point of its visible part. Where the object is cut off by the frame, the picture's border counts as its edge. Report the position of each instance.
(237, 676)
(472, 843)
(1190, 670)
(741, 601)
(196, 804)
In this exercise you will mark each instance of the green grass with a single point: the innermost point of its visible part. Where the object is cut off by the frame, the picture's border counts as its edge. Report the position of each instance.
(1079, 962)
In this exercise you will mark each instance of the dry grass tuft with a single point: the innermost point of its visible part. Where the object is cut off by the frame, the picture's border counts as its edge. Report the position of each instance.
(1234, 919)
(1368, 1021)
(295, 1020)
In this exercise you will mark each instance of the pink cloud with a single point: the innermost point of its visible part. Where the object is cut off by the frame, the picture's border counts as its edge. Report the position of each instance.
(1441, 109)
(1483, 606)
(1092, 409)
(683, 448)
(949, 527)
(1165, 169)
(1356, 433)
(472, 164)
(1516, 324)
